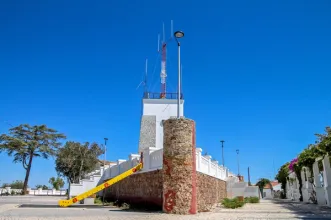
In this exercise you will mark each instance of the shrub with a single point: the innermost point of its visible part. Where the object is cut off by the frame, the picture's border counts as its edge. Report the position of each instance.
(13, 192)
(232, 203)
(98, 201)
(253, 199)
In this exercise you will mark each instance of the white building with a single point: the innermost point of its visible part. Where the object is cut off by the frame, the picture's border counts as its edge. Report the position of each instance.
(155, 111)
(268, 192)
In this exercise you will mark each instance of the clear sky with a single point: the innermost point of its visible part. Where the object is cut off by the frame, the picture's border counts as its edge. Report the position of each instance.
(255, 73)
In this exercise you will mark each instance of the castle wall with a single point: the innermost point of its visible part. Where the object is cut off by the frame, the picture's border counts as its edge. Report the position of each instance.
(141, 188)
(147, 189)
(210, 191)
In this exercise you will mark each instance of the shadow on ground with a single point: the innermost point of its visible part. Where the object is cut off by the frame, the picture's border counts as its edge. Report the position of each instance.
(57, 206)
(305, 210)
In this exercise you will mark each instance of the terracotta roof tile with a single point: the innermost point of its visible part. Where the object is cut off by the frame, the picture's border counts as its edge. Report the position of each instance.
(273, 183)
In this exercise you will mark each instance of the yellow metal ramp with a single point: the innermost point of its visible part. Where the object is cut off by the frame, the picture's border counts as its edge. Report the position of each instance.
(66, 203)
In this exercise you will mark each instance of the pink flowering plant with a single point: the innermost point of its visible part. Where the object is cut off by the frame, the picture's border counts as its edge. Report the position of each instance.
(293, 162)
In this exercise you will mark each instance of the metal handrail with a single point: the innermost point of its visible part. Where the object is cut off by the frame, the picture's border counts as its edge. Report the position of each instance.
(158, 95)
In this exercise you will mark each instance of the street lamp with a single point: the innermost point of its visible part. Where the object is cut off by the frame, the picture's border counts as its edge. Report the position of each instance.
(238, 161)
(178, 34)
(104, 162)
(222, 141)
(104, 171)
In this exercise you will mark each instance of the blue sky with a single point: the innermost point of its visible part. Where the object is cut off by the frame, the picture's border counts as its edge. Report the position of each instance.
(255, 73)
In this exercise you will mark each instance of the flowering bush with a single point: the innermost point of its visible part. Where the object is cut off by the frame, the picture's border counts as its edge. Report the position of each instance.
(293, 162)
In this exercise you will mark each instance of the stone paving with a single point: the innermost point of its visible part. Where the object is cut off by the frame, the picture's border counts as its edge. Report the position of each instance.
(266, 209)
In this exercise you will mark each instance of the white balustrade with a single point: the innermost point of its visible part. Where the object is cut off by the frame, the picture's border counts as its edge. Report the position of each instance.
(153, 160)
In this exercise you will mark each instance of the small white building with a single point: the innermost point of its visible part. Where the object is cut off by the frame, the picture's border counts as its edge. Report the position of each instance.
(155, 111)
(268, 192)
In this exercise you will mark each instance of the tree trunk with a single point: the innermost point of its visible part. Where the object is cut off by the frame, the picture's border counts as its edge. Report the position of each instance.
(68, 188)
(27, 174)
(261, 190)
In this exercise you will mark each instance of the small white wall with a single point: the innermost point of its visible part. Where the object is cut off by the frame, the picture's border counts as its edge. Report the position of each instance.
(267, 194)
(37, 192)
(252, 191)
(153, 160)
(292, 188)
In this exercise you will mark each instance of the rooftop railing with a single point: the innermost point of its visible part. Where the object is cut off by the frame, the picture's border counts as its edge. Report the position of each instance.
(158, 95)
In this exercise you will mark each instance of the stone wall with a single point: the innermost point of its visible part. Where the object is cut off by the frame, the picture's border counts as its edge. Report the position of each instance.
(210, 191)
(140, 188)
(147, 132)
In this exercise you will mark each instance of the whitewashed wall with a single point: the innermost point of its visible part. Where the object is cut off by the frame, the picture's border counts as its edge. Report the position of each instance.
(207, 166)
(153, 160)
(37, 192)
(163, 109)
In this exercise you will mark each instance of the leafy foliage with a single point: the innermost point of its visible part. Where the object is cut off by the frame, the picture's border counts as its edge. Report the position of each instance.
(25, 142)
(252, 199)
(324, 142)
(17, 184)
(282, 175)
(262, 183)
(306, 158)
(57, 183)
(292, 163)
(75, 160)
(232, 203)
(43, 187)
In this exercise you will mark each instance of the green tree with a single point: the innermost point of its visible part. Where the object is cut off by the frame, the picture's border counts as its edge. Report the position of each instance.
(282, 175)
(17, 184)
(25, 142)
(262, 183)
(307, 158)
(323, 143)
(43, 187)
(57, 183)
(75, 160)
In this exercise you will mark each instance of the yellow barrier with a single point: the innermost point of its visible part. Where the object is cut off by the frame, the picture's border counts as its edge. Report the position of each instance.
(66, 203)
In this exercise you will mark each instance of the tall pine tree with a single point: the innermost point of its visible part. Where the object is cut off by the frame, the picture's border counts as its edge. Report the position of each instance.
(25, 142)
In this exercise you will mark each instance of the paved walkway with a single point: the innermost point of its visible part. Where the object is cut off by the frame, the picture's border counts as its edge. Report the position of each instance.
(267, 209)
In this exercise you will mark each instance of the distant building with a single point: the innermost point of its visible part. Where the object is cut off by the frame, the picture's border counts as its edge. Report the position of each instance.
(268, 192)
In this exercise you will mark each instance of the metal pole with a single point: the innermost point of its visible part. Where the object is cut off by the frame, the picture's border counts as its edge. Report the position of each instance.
(222, 152)
(249, 178)
(238, 161)
(104, 170)
(179, 89)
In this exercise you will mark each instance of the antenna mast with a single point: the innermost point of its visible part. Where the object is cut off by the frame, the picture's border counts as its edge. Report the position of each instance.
(163, 74)
(145, 80)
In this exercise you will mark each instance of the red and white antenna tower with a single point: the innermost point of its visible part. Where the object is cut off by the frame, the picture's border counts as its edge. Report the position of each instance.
(163, 73)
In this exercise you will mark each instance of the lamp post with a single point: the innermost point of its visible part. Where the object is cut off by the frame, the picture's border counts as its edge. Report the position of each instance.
(222, 141)
(104, 170)
(104, 162)
(238, 161)
(178, 34)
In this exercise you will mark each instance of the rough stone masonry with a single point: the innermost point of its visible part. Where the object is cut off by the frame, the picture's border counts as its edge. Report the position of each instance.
(179, 167)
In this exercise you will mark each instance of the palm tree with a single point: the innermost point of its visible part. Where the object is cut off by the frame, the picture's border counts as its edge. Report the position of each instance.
(262, 183)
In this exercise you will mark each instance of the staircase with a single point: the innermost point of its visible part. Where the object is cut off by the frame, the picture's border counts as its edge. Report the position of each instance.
(88, 182)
